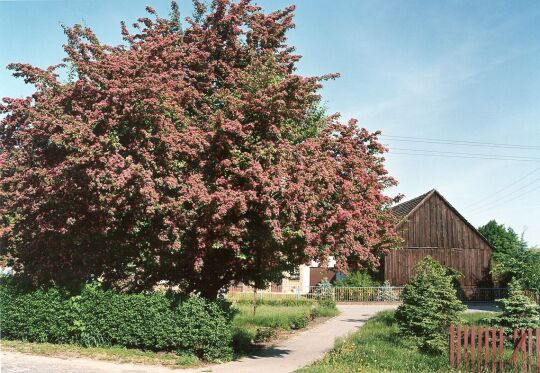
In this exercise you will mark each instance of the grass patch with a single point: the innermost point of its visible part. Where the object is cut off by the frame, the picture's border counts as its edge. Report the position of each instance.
(272, 316)
(377, 347)
(270, 319)
(114, 353)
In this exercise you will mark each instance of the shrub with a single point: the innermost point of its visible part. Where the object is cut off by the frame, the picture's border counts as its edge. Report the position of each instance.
(357, 279)
(300, 321)
(38, 316)
(386, 293)
(429, 306)
(325, 290)
(264, 334)
(97, 317)
(518, 311)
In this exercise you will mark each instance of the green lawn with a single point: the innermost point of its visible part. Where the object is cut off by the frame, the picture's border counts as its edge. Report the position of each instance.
(377, 347)
(270, 319)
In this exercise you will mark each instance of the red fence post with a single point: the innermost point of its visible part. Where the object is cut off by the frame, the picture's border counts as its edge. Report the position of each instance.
(486, 344)
(538, 350)
(523, 350)
(501, 348)
(514, 353)
(530, 348)
(465, 345)
(479, 349)
(458, 352)
(493, 349)
(452, 346)
(473, 342)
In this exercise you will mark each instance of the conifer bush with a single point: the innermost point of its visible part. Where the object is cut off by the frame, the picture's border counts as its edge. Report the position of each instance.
(387, 293)
(430, 305)
(518, 311)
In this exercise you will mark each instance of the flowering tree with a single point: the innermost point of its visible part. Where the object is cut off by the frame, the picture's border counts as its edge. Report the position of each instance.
(194, 155)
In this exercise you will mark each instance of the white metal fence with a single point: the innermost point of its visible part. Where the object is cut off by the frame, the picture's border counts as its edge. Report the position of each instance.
(337, 294)
(358, 294)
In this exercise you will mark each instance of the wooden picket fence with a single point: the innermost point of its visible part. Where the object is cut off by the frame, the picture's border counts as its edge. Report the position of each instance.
(483, 349)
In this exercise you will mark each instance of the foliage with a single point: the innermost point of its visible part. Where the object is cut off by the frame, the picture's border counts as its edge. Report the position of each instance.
(429, 306)
(325, 291)
(387, 293)
(97, 318)
(523, 265)
(504, 240)
(518, 311)
(512, 258)
(360, 278)
(271, 319)
(195, 155)
(378, 347)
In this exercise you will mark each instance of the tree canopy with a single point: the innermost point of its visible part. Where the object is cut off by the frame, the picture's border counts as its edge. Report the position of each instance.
(512, 257)
(504, 240)
(194, 154)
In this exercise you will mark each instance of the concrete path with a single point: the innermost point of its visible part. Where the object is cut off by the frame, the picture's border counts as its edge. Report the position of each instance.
(15, 362)
(296, 352)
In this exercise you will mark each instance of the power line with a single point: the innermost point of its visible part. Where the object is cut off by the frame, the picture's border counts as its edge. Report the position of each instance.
(468, 154)
(503, 189)
(509, 200)
(466, 157)
(460, 142)
(503, 199)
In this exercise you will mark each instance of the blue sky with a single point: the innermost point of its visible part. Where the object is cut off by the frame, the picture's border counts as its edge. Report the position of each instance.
(449, 70)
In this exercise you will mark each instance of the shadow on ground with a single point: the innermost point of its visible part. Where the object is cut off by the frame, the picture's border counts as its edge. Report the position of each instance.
(482, 307)
(268, 352)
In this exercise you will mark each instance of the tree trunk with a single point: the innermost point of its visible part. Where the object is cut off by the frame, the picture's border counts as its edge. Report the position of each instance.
(254, 300)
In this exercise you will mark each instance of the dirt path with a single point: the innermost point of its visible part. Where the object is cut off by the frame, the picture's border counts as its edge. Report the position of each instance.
(294, 353)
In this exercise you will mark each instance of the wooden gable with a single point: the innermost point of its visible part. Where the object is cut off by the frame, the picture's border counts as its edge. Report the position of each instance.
(435, 223)
(430, 225)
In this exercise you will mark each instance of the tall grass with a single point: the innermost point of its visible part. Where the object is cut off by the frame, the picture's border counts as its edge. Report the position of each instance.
(251, 330)
(270, 316)
(377, 347)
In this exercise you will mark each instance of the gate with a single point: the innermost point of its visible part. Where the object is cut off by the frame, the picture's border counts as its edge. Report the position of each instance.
(483, 349)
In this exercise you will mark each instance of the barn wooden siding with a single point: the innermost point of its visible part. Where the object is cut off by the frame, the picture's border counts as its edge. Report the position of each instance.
(435, 228)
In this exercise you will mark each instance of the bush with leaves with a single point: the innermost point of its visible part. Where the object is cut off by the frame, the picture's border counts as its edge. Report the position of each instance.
(360, 278)
(518, 311)
(96, 317)
(512, 258)
(429, 306)
(387, 293)
(325, 290)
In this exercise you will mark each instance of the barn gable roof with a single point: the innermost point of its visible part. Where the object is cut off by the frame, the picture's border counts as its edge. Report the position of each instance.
(405, 209)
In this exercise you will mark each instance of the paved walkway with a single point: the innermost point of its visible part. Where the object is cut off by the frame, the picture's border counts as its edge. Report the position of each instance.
(294, 353)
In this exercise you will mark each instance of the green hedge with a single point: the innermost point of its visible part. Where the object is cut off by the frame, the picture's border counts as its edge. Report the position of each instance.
(97, 317)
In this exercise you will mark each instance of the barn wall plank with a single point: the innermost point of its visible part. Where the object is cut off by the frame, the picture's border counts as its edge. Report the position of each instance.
(436, 229)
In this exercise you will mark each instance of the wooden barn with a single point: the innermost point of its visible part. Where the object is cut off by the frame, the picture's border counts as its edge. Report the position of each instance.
(430, 225)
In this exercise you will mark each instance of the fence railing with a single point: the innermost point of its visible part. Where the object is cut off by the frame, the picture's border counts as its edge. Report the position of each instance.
(337, 294)
(359, 294)
(477, 348)
(480, 294)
